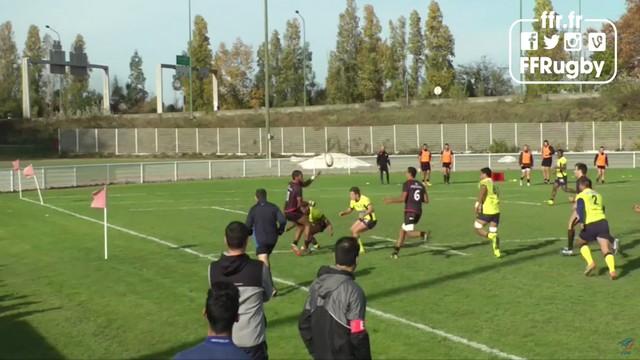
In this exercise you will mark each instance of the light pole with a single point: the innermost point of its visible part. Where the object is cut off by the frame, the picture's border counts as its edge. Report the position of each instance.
(190, 68)
(581, 50)
(522, 86)
(304, 61)
(267, 116)
(61, 75)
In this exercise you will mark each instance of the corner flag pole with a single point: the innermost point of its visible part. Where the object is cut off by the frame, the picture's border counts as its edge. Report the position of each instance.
(106, 253)
(20, 183)
(99, 201)
(35, 177)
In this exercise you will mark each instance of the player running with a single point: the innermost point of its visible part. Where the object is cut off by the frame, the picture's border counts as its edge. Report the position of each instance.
(366, 216)
(526, 163)
(601, 162)
(293, 208)
(595, 227)
(561, 177)
(547, 160)
(425, 164)
(580, 172)
(446, 156)
(414, 194)
(487, 209)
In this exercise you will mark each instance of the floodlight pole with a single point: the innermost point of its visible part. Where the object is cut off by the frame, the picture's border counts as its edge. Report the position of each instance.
(266, 80)
(581, 47)
(522, 86)
(190, 68)
(61, 76)
(304, 61)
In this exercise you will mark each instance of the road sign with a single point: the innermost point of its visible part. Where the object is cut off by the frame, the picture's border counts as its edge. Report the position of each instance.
(182, 60)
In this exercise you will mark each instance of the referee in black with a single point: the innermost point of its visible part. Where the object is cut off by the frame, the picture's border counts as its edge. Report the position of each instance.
(266, 222)
(383, 163)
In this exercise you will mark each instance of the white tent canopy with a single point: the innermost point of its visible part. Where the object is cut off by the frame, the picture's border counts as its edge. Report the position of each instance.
(340, 161)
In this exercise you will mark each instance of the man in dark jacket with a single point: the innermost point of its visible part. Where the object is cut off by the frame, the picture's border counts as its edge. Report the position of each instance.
(253, 279)
(332, 322)
(383, 163)
(266, 222)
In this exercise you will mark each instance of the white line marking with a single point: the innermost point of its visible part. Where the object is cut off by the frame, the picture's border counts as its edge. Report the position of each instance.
(382, 314)
(509, 241)
(189, 208)
(425, 246)
(513, 202)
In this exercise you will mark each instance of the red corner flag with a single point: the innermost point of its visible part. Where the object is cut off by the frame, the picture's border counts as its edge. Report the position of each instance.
(16, 165)
(99, 199)
(28, 172)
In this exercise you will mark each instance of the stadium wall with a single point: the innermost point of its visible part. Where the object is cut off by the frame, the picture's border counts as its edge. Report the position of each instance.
(354, 140)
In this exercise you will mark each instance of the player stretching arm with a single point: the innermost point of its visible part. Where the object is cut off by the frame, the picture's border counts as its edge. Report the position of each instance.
(293, 208)
(414, 194)
(366, 216)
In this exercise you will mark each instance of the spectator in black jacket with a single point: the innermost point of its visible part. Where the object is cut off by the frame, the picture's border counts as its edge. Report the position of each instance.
(332, 322)
(253, 279)
(383, 163)
(266, 222)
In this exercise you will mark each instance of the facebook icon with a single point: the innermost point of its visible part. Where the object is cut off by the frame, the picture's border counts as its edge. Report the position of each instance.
(529, 41)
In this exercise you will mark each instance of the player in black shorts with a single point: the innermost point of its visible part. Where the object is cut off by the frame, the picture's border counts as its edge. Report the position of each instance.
(414, 194)
(293, 208)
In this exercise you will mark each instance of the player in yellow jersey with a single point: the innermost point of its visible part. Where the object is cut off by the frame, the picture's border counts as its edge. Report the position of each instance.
(561, 176)
(488, 210)
(366, 216)
(595, 227)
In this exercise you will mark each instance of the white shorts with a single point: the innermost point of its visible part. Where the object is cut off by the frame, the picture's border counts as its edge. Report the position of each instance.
(408, 227)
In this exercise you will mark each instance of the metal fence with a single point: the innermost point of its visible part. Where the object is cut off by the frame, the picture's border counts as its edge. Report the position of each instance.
(122, 173)
(574, 136)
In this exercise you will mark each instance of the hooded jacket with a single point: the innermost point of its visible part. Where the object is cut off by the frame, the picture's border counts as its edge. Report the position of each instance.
(253, 279)
(332, 322)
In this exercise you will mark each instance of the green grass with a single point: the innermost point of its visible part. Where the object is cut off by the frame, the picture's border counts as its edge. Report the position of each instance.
(59, 298)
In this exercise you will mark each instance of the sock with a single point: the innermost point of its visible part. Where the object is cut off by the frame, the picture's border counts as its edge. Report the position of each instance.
(571, 234)
(396, 249)
(528, 181)
(586, 254)
(611, 262)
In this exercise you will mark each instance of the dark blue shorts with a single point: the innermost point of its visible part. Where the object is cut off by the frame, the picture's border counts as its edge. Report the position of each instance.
(562, 181)
(493, 218)
(593, 231)
(425, 166)
(369, 223)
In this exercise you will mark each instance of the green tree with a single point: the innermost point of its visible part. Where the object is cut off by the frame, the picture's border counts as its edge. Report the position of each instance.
(235, 68)
(343, 63)
(77, 98)
(484, 78)
(416, 50)
(278, 91)
(291, 77)
(118, 96)
(34, 51)
(440, 52)
(136, 93)
(48, 81)
(629, 33)
(9, 72)
(556, 53)
(371, 49)
(395, 67)
(201, 59)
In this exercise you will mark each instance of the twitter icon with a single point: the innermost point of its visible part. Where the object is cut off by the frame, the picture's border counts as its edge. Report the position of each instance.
(552, 42)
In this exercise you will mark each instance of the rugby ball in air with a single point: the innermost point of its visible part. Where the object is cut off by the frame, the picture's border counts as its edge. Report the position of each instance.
(328, 159)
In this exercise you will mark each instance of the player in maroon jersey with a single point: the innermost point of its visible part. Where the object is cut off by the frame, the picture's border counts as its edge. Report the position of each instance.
(414, 194)
(294, 209)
